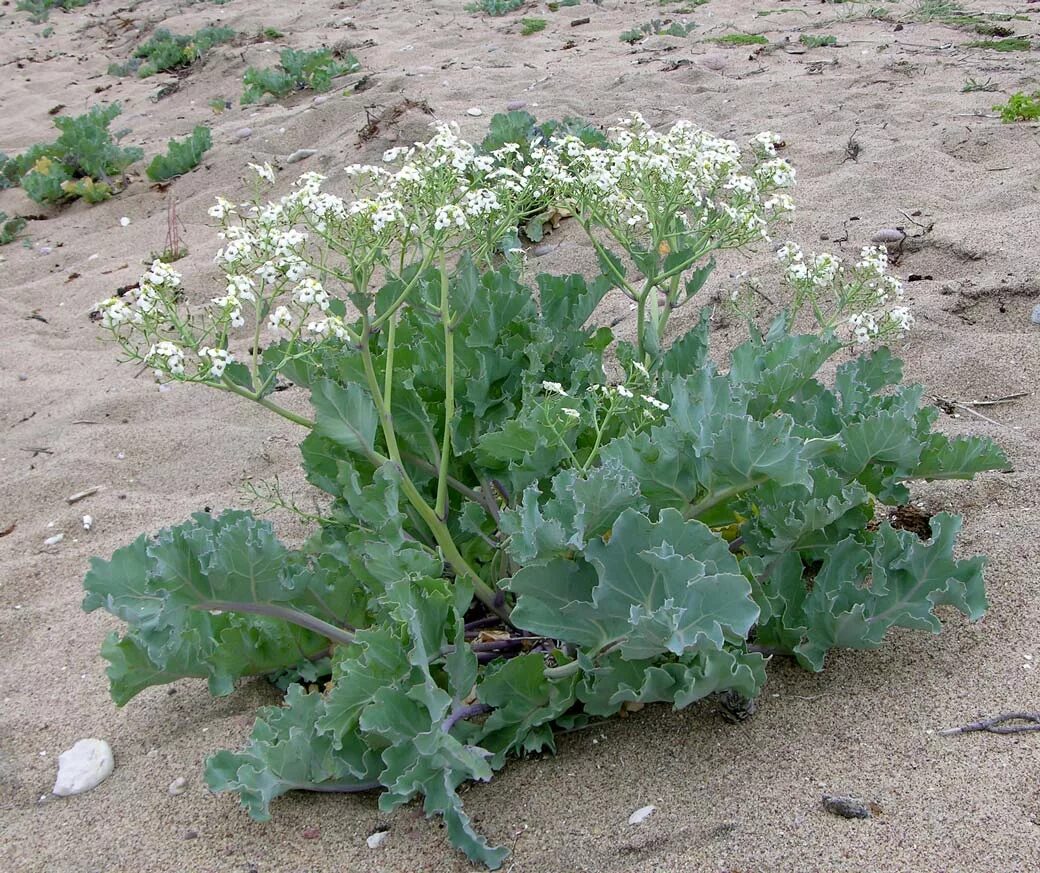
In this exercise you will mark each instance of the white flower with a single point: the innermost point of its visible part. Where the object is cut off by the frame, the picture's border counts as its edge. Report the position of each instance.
(280, 318)
(622, 391)
(902, 317)
(311, 291)
(571, 413)
(446, 216)
(554, 388)
(222, 209)
(115, 312)
(654, 402)
(264, 171)
(640, 368)
(217, 359)
(166, 356)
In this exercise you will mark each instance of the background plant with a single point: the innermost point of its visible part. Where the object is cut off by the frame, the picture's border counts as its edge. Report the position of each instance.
(529, 524)
(10, 228)
(40, 10)
(1020, 107)
(85, 161)
(297, 70)
(168, 51)
(181, 155)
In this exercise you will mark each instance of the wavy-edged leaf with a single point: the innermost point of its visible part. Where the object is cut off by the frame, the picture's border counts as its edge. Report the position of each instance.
(206, 598)
(580, 508)
(346, 415)
(670, 586)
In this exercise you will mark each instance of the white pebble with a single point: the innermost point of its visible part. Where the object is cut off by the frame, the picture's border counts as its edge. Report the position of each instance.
(300, 154)
(88, 522)
(641, 815)
(54, 540)
(376, 840)
(124, 221)
(178, 786)
(86, 765)
(475, 111)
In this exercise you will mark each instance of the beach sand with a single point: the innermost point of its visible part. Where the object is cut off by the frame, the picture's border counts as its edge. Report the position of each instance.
(729, 797)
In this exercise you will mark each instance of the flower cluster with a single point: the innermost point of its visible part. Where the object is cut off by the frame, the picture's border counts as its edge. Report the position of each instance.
(862, 295)
(666, 186)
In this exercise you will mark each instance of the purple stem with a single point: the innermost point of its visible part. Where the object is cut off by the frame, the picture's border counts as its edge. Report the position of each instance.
(461, 712)
(488, 621)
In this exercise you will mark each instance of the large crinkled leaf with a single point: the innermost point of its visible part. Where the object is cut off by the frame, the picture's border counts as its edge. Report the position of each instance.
(908, 578)
(288, 751)
(670, 586)
(345, 415)
(788, 518)
(189, 596)
(689, 353)
(959, 458)
(858, 381)
(580, 508)
(779, 369)
(663, 462)
(569, 301)
(681, 682)
(525, 704)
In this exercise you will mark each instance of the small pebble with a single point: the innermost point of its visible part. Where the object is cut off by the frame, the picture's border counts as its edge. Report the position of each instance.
(23, 377)
(124, 221)
(243, 133)
(542, 250)
(178, 786)
(641, 815)
(321, 98)
(475, 111)
(86, 765)
(513, 105)
(311, 833)
(1035, 317)
(88, 522)
(846, 807)
(191, 835)
(376, 840)
(888, 236)
(300, 154)
(54, 540)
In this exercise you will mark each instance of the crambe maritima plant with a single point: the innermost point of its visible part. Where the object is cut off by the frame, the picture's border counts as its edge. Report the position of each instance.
(529, 525)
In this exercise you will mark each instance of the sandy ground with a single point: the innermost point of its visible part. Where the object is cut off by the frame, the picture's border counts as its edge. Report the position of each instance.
(735, 798)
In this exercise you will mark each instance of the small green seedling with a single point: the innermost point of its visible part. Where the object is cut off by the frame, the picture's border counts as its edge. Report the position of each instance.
(658, 27)
(531, 25)
(1020, 107)
(495, 7)
(740, 39)
(181, 155)
(975, 85)
(1011, 44)
(812, 41)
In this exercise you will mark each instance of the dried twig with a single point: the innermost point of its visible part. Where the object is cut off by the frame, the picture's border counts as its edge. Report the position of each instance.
(1006, 399)
(996, 725)
(82, 495)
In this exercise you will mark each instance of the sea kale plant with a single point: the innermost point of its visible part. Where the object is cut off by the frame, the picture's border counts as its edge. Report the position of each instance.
(170, 51)
(528, 524)
(296, 71)
(85, 161)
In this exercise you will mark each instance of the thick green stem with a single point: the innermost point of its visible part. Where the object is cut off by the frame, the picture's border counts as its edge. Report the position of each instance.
(487, 595)
(713, 500)
(449, 394)
(388, 373)
(286, 613)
